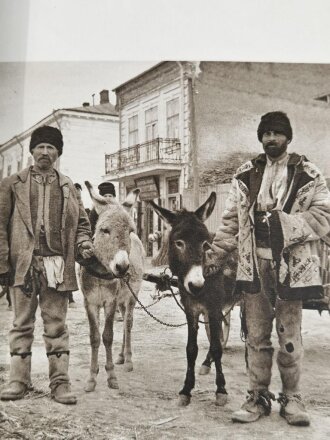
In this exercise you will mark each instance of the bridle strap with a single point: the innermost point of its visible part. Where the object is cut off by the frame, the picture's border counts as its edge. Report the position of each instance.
(95, 268)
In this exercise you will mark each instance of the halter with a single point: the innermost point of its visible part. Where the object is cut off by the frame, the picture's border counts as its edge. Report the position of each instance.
(95, 268)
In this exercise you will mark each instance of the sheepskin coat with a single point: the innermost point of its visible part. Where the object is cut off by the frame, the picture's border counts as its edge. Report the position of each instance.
(295, 231)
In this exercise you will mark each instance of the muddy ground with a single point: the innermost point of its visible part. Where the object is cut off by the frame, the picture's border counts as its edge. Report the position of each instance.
(145, 406)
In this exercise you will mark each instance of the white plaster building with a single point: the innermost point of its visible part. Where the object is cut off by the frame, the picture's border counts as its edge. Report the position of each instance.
(88, 133)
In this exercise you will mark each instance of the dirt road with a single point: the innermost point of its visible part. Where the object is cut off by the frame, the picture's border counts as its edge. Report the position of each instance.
(145, 406)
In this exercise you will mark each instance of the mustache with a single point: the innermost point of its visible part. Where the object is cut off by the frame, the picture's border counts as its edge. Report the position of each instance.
(271, 144)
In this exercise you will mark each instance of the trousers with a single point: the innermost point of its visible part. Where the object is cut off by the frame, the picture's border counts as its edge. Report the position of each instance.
(53, 307)
(260, 311)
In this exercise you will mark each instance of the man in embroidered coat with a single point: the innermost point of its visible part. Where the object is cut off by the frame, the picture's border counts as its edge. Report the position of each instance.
(277, 211)
(42, 226)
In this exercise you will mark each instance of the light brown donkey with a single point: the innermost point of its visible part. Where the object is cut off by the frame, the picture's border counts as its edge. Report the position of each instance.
(118, 251)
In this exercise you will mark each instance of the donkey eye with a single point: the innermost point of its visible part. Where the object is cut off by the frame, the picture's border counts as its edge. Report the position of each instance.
(179, 244)
(105, 231)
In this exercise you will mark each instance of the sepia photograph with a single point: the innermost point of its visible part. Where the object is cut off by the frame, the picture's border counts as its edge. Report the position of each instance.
(164, 221)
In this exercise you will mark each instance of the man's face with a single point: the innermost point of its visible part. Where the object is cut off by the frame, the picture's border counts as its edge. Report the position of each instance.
(108, 197)
(44, 155)
(274, 143)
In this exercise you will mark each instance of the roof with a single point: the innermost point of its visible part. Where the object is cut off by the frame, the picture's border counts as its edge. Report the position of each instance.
(138, 76)
(100, 109)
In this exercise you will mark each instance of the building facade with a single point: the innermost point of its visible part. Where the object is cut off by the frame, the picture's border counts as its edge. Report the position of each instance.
(88, 133)
(186, 126)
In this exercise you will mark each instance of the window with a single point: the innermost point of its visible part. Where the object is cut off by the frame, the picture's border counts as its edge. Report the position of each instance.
(173, 186)
(133, 131)
(172, 117)
(8, 170)
(151, 120)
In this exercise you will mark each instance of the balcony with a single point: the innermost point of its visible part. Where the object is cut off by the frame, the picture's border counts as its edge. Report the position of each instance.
(157, 154)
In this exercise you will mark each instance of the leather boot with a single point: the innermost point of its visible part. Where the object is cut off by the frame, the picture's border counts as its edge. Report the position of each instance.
(258, 404)
(59, 378)
(19, 378)
(293, 410)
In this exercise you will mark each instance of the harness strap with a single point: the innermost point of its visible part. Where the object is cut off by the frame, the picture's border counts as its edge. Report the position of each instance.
(58, 354)
(95, 268)
(23, 355)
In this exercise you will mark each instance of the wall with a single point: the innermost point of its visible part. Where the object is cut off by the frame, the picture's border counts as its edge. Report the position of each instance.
(231, 97)
(86, 143)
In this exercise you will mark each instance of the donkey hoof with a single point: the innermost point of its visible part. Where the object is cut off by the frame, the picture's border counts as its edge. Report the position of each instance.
(120, 360)
(113, 383)
(221, 399)
(184, 400)
(90, 386)
(128, 366)
(204, 370)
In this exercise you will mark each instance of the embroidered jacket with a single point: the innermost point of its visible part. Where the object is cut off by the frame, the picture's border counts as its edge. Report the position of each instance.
(295, 231)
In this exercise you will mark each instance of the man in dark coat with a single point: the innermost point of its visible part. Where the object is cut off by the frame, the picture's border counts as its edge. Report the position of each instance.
(43, 226)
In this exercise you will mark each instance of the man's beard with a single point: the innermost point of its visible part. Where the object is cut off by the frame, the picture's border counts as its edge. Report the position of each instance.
(274, 151)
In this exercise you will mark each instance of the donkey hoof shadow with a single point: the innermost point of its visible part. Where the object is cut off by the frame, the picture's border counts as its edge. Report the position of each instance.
(221, 399)
(90, 386)
(120, 360)
(113, 383)
(128, 366)
(204, 370)
(184, 400)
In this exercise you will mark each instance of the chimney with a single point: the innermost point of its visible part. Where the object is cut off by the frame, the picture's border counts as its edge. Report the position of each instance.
(85, 104)
(104, 97)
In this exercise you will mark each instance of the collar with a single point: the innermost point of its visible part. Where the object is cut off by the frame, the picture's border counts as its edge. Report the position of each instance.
(23, 176)
(293, 160)
(40, 178)
(280, 161)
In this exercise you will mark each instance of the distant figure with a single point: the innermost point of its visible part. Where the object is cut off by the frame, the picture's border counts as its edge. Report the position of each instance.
(106, 190)
(5, 291)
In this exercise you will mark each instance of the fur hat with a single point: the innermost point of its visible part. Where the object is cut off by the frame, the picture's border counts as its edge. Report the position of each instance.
(275, 121)
(107, 188)
(49, 135)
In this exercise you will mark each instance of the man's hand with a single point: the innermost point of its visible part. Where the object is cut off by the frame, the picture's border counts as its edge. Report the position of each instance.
(86, 249)
(4, 279)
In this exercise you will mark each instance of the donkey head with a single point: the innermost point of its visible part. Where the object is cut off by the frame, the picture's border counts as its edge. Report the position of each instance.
(112, 240)
(188, 240)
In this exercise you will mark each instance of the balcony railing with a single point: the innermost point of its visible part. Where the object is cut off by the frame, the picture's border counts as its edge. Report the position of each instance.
(159, 150)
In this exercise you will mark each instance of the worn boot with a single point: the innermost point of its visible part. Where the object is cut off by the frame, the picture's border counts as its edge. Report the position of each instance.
(258, 404)
(293, 410)
(59, 378)
(19, 378)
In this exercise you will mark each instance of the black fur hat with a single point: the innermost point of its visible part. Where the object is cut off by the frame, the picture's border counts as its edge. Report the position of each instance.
(275, 121)
(107, 188)
(49, 135)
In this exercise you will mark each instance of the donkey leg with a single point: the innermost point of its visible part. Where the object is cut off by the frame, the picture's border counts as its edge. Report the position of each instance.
(121, 358)
(128, 365)
(216, 352)
(206, 365)
(95, 339)
(192, 351)
(107, 337)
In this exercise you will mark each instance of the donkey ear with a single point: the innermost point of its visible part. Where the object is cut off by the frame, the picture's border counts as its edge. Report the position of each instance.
(99, 202)
(204, 211)
(165, 214)
(132, 197)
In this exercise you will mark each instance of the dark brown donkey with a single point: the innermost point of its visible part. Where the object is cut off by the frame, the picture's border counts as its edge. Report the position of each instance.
(188, 241)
